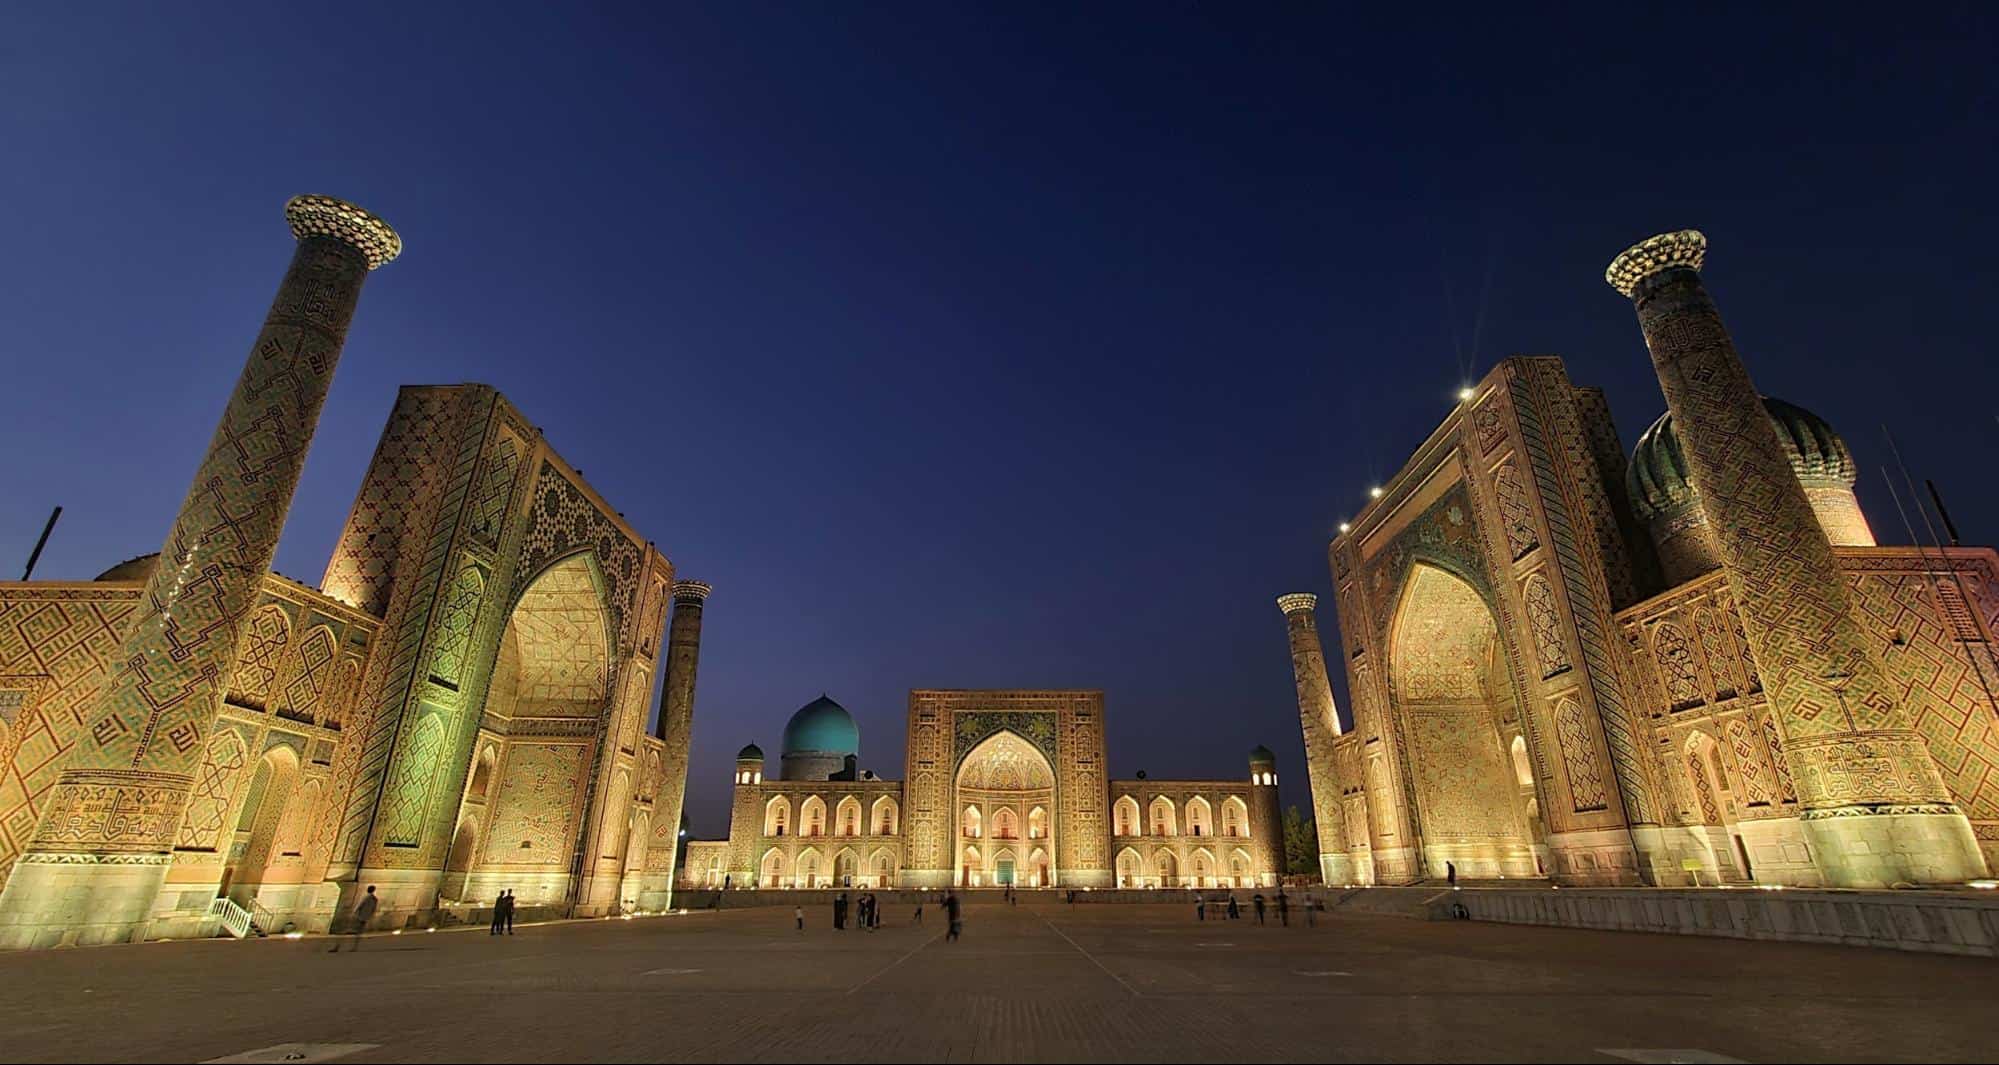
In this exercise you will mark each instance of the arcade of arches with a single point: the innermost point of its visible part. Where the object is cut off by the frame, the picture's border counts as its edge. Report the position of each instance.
(1004, 788)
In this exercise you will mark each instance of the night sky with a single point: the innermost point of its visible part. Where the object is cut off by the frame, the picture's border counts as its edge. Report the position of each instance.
(1010, 348)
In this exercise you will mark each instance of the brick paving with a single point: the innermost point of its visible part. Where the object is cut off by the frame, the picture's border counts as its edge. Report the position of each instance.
(1035, 982)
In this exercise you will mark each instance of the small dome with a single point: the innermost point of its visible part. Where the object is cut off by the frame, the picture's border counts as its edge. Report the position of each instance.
(1261, 754)
(1659, 482)
(822, 726)
(751, 753)
(132, 569)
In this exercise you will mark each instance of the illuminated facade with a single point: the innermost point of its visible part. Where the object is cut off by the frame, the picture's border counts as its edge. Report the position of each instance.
(457, 710)
(1001, 787)
(1694, 665)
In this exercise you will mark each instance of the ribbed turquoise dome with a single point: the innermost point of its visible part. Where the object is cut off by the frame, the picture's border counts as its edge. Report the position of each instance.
(1658, 479)
(822, 726)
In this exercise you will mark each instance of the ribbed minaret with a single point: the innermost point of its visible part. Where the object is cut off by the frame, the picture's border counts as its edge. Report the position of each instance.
(676, 701)
(1319, 718)
(105, 836)
(1873, 804)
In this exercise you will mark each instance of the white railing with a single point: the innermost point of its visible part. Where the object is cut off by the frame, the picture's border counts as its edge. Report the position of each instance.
(235, 919)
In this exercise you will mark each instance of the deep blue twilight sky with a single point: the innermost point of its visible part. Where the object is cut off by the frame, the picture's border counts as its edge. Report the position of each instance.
(967, 348)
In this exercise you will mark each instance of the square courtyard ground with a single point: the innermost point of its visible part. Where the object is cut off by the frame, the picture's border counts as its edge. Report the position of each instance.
(1033, 982)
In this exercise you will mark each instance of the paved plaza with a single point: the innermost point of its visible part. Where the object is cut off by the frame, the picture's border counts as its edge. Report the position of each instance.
(1037, 982)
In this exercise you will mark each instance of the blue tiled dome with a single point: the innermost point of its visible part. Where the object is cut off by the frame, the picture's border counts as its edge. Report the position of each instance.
(822, 726)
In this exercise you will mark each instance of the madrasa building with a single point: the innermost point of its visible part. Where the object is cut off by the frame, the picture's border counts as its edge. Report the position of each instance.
(1000, 788)
(191, 743)
(1688, 664)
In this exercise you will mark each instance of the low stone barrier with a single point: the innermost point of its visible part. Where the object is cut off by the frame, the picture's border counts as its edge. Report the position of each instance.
(1931, 921)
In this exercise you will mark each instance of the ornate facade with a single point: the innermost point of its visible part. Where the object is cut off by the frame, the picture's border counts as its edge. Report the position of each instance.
(1692, 667)
(1001, 788)
(458, 709)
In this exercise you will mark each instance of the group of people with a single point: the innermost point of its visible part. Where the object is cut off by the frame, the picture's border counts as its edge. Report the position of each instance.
(867, 909)
(503, 913)
(1261, 904)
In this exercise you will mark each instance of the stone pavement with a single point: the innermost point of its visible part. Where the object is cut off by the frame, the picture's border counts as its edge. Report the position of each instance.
(1035, 982)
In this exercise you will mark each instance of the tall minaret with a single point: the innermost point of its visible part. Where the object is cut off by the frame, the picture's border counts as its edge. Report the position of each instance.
(676, 703)
(1320, 720)
(105, 838)
(1873, 803)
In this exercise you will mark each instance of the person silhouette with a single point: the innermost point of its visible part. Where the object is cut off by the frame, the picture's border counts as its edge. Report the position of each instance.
(364, 911)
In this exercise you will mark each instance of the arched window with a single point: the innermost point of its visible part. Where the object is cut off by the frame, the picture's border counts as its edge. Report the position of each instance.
(849, 821)
(972, 822)
(1198, 822)
(812, 817)
(1005, 825)
(1235, 818)
(1523, 771)
(885, 816)
(1163, 821)
(1037, 823)
(1124, 816)
(777, 816)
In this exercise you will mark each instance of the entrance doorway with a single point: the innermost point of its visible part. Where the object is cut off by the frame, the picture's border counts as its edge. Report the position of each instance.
(1003, 872)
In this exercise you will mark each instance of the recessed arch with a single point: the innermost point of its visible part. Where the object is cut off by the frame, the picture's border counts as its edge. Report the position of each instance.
(1452, 686)
(1130, 868)
(1124, 816)
(1235, 818)
(771, 870)
(847, 817)
(812, 817)
(1164, 818)
(885, 818)
(1200, 817)
(777, 816)
(1000, 779)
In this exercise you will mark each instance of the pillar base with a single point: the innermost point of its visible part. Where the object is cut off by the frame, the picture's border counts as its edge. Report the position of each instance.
(77, 899)
(1882, 846)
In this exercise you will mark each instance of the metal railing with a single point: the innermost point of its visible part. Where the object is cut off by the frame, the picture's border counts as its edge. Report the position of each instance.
(235, 919)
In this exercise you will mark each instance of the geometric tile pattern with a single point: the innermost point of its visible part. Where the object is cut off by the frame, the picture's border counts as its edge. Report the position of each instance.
(1825, 677)
(127, 781)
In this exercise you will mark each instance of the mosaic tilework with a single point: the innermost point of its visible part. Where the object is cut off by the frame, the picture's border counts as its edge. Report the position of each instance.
(125, 785)
(1825, 678)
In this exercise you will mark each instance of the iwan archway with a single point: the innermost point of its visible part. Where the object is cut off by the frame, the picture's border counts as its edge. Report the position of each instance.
(524, 802)
(1004, 795)
(1455, 708)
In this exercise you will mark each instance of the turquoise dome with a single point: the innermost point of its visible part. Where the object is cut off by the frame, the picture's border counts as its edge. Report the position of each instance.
(822, 726)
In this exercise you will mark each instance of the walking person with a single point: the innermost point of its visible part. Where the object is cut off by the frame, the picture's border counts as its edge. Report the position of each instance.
(1283, 908)
(1451, 873)
(951, 913)
(919, 910)
(798, 912)
(1257, 899)
(510, 911)
(364, 911)
(1200, 908)
(1235, 911)
(839, 911)
(499, 914)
